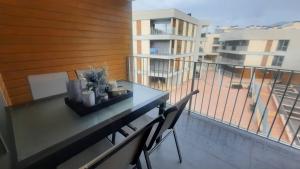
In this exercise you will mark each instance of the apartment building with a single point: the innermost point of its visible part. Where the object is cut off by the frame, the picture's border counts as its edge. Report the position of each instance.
(164, 41)
(209, 46)
(274, 46)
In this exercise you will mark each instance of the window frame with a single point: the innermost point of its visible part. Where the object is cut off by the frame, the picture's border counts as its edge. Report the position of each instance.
(277, 60)
(283, 45)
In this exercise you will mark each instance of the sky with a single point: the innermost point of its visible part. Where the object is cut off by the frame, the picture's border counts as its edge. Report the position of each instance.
(230, 12)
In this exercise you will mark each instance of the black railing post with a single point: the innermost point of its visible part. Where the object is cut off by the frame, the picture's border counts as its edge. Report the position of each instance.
(192, 86)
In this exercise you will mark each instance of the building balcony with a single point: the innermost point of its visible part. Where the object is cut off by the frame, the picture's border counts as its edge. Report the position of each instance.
(235, 48)
(161, 51)
(261, 101)
(166, 31)
(243, 117)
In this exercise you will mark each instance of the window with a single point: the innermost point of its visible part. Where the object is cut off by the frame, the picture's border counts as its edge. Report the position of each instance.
(277, 60)
(216, 41)
(214, 49)
(282, 45)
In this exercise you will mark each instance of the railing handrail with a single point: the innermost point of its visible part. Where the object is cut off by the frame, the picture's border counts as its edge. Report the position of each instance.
(268, 68)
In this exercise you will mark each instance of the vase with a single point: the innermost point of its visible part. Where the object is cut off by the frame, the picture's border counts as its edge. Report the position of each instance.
(88, 98)
(74, 90)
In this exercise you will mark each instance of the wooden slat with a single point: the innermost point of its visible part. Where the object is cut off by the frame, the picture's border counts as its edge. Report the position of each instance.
(54, 36)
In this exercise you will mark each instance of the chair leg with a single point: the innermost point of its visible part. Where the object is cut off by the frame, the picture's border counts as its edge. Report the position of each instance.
(138, 165)
(177, 146)
(113, 138)
(148, 162)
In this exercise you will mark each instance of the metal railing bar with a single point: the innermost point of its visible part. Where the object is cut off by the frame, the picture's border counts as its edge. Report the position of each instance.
(249, 88)
(172, 83)
(212, 86)
(197, 84)
(295, 136)
(153, 77)
(176, 81)
(256, 101)
(219, 93)
(167, 81)
(182, 77)
(269, 98)
(143, 75)
(247, 66)
(188, 78)
(237, 95)
(158, 77)
(281, 101)
(227, 96)
(256, 67)
(163, 75)
(287, 120)
(192, 87)
(148, 72)
(204, 88)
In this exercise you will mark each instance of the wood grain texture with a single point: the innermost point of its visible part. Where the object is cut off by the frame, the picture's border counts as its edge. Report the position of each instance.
(61, 36)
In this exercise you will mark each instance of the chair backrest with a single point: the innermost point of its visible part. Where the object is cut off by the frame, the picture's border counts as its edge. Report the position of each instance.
(126, 153)
(45, 85)
(171, 116)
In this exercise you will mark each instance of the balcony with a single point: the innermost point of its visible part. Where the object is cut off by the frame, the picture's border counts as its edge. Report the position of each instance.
(161, 51)
(261, 101)
(235, 48)
(243, 117)
(162, 27)
(167, 31)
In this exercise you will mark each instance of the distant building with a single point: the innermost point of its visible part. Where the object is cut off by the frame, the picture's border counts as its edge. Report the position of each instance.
(274, 46)
(164, 41)
(209, 47)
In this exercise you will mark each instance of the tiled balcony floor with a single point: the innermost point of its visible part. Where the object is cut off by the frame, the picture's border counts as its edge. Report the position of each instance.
(210, 145)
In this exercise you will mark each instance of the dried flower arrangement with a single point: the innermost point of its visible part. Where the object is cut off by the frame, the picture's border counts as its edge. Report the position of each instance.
(97, 81)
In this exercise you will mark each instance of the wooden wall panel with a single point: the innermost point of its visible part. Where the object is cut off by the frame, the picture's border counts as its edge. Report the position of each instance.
(54, 36)
(138, 27)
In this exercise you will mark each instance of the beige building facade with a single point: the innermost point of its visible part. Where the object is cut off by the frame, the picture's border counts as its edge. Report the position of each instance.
(209, 46)
(164, 43)
(270, 47)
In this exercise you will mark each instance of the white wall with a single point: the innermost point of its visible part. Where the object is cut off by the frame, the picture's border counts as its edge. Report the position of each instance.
(257, 45)
(253, 60)
(134, 28)
(134, 47)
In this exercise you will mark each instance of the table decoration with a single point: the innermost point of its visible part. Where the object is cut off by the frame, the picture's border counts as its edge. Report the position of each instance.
(98, 93)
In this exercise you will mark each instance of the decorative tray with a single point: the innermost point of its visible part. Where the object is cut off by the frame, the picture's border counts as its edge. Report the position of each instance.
(82, 110)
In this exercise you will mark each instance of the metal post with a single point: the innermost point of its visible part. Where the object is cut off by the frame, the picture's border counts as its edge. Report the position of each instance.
(192, 87)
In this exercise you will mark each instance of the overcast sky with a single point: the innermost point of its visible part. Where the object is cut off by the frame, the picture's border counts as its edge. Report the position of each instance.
(230, 12)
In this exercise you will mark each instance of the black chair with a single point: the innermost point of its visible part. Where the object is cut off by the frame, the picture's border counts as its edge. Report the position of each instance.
(171, 116)
(121, 156)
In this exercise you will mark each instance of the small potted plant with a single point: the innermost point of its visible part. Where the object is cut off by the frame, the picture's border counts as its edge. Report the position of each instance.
(97, 82)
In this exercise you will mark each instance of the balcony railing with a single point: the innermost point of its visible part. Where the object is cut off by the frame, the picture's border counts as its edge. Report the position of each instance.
(167, 31)
(262, 101)
(160, 51)
(235, 48)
